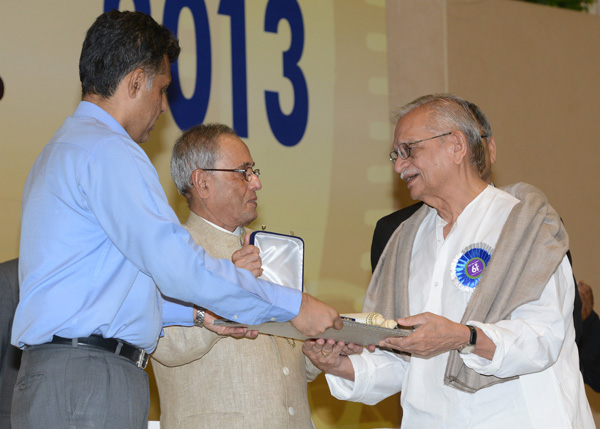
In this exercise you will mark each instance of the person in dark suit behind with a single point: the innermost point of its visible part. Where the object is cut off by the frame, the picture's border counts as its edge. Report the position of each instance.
(589, 345)
(385, 228)
(10, 356)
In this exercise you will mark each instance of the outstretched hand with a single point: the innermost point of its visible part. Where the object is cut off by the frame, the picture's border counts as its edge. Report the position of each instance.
(433, 335)
(587, 299)
(232, 331)
(315, 317)
(328, 356)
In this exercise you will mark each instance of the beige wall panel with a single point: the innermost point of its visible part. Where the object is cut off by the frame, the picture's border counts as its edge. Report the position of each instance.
(418, 55)
(417, 62)
(360, 188)
(36, 63)
(534, 70)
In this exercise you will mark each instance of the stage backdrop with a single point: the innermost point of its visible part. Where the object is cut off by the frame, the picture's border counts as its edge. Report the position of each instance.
(303, 82)
(309, 85)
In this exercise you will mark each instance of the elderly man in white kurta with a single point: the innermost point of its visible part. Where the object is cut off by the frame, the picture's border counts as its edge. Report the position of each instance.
(206, 380)
(481, 275)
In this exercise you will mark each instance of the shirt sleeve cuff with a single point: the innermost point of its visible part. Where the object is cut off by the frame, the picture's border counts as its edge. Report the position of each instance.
(285, 304)
(374, 379)
(341, 388)
(480, 364)
(177, 313)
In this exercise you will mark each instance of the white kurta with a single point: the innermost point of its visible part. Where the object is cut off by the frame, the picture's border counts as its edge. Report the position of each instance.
(537, 343)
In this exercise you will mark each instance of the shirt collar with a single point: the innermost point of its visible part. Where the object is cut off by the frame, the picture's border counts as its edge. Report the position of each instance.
(237, 232)
(86, 108)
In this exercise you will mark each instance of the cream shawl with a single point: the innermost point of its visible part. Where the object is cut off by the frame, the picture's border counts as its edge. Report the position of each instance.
(531, 245)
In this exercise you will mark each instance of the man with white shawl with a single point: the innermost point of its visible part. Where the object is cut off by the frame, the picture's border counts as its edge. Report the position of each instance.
(480, 274)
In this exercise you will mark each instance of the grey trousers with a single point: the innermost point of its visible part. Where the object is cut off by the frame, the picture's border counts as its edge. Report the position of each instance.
(61, 386)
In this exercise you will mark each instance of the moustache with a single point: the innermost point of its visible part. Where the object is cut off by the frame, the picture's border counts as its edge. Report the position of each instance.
(407, 173)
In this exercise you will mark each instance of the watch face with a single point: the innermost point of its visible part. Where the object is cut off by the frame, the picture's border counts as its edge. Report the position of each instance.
(467, 349)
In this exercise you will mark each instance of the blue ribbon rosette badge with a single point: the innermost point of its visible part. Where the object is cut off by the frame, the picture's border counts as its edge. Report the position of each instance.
(468, 267)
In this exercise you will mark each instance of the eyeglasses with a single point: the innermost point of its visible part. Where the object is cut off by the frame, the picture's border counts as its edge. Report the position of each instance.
(247, 172)
(403, 150)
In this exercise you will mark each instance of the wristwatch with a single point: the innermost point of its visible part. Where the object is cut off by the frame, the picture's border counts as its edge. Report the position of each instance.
(199, 321)
(470, 346)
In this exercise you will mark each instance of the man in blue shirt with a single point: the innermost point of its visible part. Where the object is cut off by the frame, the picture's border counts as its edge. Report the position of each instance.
(99, 243)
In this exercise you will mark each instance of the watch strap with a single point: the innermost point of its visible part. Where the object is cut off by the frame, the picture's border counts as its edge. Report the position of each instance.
(470, 346)
(199, 320)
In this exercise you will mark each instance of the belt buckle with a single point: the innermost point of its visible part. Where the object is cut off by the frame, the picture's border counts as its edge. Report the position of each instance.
(143, 359)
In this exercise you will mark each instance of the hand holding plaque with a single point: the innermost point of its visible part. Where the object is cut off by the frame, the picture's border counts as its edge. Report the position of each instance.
(353, 331)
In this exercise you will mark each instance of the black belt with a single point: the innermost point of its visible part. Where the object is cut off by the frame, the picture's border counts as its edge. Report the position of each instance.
(136, 355)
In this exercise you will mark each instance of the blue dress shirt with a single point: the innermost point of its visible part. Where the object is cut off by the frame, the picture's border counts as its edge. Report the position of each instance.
(99, 243)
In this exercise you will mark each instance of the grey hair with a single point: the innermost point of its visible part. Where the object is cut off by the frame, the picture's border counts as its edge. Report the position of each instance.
(482, 120)
(454, 112)
(485, 127)
(197, 147)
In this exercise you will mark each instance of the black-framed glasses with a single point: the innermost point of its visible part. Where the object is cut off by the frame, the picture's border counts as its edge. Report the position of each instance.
(247, 172)
(403, 150)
